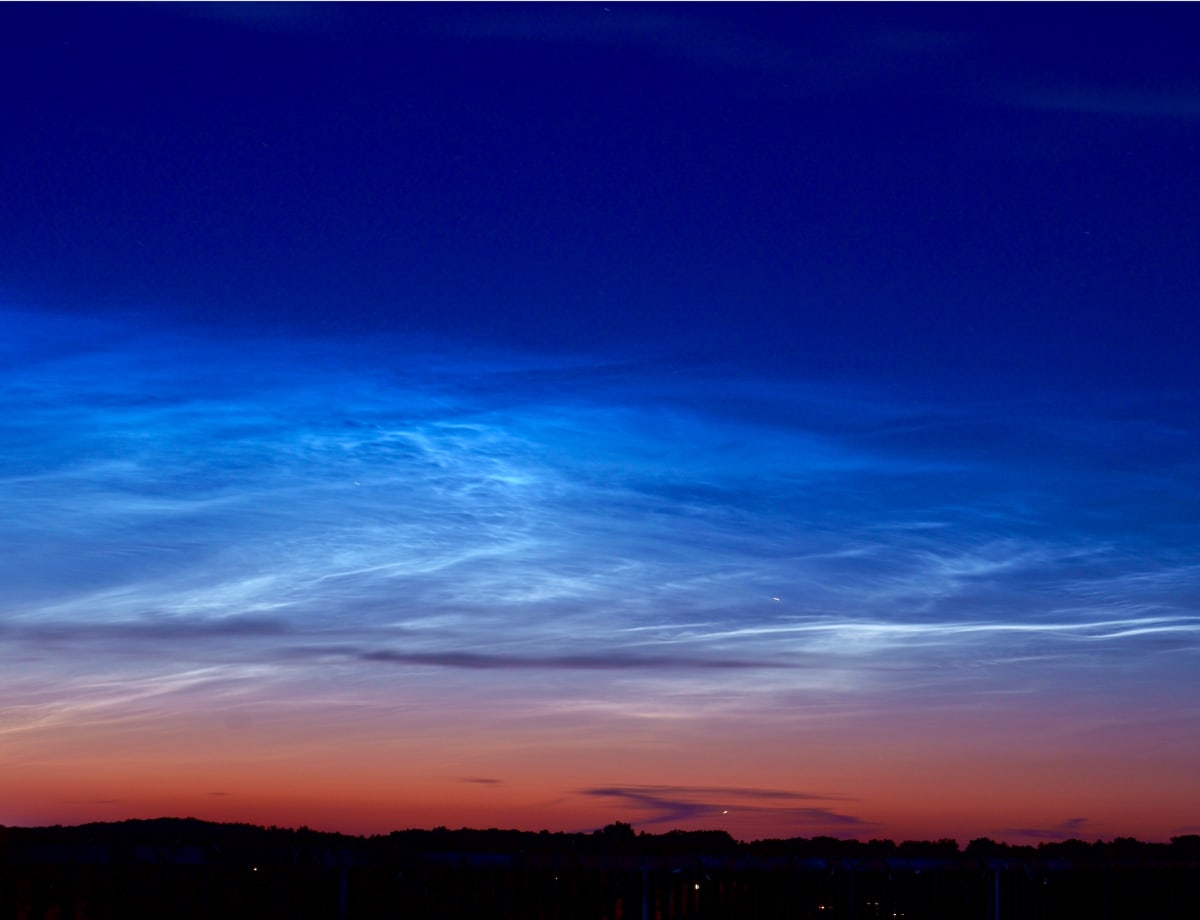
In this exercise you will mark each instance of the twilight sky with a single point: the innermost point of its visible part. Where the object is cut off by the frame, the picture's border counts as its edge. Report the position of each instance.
(779, 418)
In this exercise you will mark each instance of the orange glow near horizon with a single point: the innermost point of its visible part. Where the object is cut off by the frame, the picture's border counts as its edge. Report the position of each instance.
(863, 777)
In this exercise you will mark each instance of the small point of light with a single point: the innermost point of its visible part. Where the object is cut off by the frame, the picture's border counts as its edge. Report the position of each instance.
(725, 812)
(697, 886)
(774, 598)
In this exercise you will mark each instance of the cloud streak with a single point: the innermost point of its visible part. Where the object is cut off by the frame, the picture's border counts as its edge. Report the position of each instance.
(675, 805)
(473, 661)
(1174, 106)
(1069, 829)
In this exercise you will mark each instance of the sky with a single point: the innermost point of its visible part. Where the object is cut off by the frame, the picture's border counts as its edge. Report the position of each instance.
(778, 418)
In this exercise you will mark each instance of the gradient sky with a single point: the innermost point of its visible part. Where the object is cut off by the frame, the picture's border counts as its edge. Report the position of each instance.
(777, 418)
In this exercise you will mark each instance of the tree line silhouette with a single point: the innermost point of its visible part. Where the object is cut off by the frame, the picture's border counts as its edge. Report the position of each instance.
(187, 868)
(616, 839)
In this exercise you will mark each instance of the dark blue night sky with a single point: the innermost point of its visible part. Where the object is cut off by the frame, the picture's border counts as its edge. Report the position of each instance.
(630, 386)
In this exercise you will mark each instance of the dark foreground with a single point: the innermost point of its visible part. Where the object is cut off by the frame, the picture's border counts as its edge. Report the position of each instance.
(193, 869)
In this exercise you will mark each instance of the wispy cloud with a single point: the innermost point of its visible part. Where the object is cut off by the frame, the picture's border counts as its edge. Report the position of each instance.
(656, 805)
(563, 662)
(813, 54)
(172, 629)
(662, 30)
(260, 17)
(1182, 105)
(1071, 828)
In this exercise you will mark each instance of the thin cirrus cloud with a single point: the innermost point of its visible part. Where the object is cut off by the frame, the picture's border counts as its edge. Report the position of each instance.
(805, 55)
(613, 662)
(1180, 105)
(652, 29)
(674, 805)
(1070, 828)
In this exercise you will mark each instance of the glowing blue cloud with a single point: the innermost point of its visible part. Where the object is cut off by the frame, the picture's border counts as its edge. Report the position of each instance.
(182, 510)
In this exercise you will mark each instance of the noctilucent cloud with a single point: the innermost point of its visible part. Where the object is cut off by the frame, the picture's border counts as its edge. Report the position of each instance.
(776, 418)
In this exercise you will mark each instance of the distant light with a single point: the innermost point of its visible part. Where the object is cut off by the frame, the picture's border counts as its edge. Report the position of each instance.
(774, 598)
(697, 886)
(725, 812)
